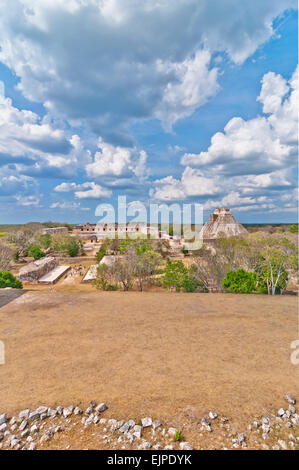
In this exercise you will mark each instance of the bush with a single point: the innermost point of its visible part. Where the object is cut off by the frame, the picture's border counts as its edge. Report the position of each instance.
(100, 254)
(36, 252)
(73, 248)
(241, 282)
(178, 276)
(293, 228)
(45, 241)
(8, 280)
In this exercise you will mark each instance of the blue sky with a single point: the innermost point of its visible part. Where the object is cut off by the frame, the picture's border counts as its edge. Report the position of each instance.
(161, 101)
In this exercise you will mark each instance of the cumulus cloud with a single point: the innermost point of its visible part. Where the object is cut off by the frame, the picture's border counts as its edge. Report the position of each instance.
(116, 161)
(193, 183)
(35, 145)
(260, 145)
(251, 165)
(87, 190)
(108, 63)
(195, 84)
(27, 200)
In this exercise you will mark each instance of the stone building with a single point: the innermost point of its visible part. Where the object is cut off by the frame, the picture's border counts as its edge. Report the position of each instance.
(93, 233)
(222, 225)
(53, 230)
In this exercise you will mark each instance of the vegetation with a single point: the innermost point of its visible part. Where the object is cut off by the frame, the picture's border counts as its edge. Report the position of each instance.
(270, 256)
(8, 280)
(104, 279)
(177, 276)
(45, 241)
(293, 228)
(178, 437)
(70, 246)
(36, 252)
(241, 282)
(137, 264)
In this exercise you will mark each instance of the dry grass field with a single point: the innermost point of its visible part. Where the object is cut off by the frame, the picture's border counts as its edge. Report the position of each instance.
(163, 355)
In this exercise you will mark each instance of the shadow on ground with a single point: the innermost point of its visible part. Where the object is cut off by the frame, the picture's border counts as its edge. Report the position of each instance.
(8, 295)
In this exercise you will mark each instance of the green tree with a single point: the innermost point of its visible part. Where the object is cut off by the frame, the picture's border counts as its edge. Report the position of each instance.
(63, 242)
(240, 281)
(8, 280)
(73, 248)
(45, 241)
(293, 228)
(36, 252)
(179, 277)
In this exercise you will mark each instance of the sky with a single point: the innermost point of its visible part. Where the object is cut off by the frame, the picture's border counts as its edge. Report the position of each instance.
(163, 102)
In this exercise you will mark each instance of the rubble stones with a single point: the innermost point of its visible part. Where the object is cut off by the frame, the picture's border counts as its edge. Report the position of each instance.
(213, 415)
(185, 446)
(267, 432)
(3, 418)
(67, 411)
(290, 399)
(101, 407)
(146, 422)
(78, 411)
(24, 414)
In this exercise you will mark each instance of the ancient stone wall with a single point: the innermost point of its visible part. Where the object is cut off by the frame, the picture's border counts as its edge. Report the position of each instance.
(35, 270)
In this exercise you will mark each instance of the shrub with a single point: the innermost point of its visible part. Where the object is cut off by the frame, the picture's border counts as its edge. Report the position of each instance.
(100, 254)
(241, 282)
(36, 252)
(293, 228)
(72, 248)
(45, 240)
(8, 280)
(178, 276)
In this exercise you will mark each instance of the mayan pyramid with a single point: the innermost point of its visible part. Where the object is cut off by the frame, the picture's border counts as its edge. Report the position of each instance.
(222, 223)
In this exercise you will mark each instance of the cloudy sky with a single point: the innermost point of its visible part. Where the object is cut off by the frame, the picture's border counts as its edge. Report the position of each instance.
(159, 100)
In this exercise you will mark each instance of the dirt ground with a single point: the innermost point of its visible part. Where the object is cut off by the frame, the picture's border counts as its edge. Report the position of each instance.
(149, 354)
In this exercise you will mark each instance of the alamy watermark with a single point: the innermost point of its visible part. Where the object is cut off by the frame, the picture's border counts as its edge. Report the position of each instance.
(183, 221)
(295, 353)
(2, 353)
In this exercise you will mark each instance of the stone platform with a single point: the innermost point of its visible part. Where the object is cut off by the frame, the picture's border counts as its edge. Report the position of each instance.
(53, 276)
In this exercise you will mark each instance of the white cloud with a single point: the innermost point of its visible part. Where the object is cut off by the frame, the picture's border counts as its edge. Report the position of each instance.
(65, 187)
(95, 191)
(116, 161)
(108, 63)
(87, 190)
(35, 144)
(194, 85)
(192, 183)
(69, 206)
(260, 145)
(27, 200)
(251, 164)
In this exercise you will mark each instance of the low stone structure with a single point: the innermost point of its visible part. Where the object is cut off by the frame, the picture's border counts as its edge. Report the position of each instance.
(222, 225)
(35, 270)
(53, 230)
(54, 275)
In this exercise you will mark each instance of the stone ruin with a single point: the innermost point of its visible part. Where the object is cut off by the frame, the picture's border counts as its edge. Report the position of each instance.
(222, 224)
(35, 270)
